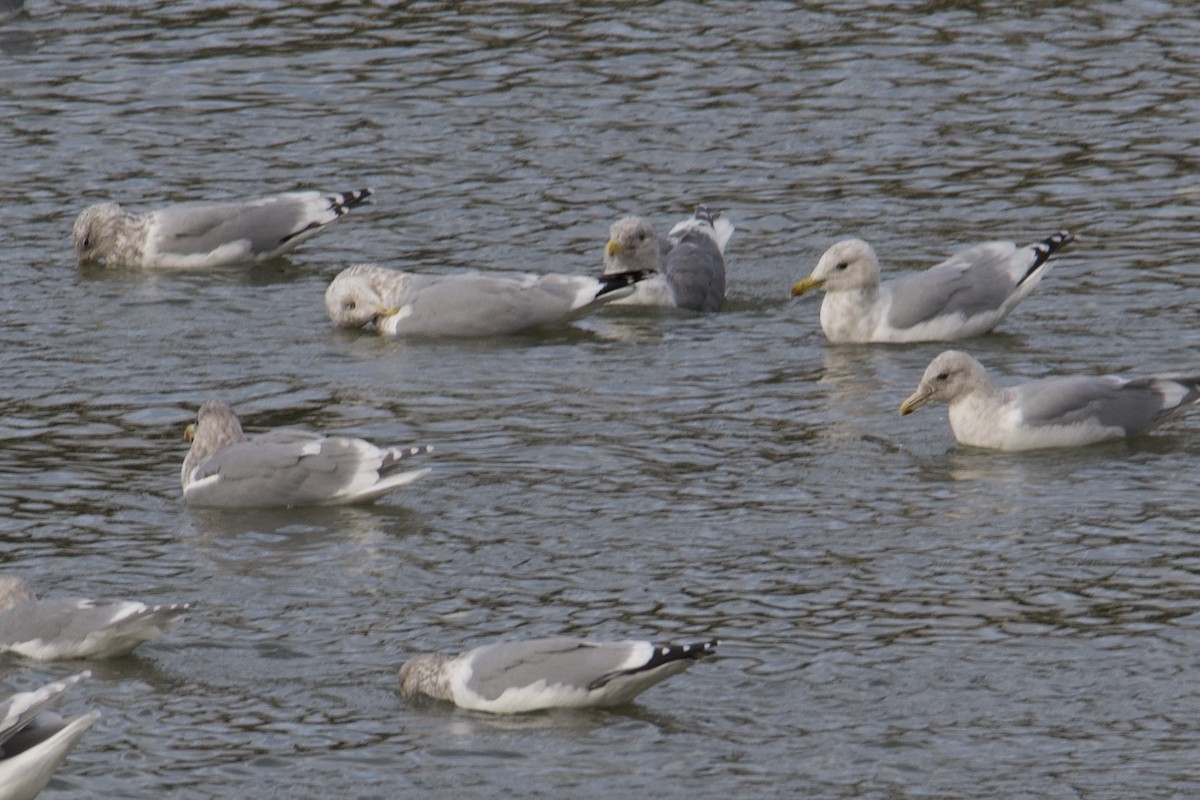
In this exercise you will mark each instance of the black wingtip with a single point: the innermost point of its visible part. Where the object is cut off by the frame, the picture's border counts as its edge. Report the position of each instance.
(619, 280)
(398, 457)
(1045, 249)
(1051, 245)
(666, 653)
(1058, 240)
(344, 201)
(663, 654)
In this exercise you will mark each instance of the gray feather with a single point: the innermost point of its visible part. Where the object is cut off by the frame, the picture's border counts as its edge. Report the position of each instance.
(560, 660)
(972, 282)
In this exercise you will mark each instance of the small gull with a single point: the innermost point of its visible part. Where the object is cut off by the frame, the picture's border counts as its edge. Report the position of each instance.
(1050, 412)
(64, 628)
(561, 672)
(967, 295)
(465, 303)
(194, 235)
(34, 740)
(688, 265)
(286, 467)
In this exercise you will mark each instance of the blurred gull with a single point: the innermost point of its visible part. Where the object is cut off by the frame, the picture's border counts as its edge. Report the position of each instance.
(688, 266)
(1051, 412)
(967, 295)
(285, 467)
(192, 235)
(464, 303)
(34, 741)
(513, 677)
(63, 628)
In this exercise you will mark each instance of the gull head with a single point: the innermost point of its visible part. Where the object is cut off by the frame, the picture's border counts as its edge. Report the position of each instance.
(427, 675)
(632, 247)
(216, 427)
(354, 299)
(949, 376)
(94, 232)
(14, 591)
(848, 265)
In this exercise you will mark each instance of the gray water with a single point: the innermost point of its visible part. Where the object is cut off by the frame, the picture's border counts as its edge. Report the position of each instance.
(900, 617)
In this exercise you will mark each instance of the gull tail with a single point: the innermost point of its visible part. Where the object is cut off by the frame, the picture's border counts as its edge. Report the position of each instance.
(714, 226)
(26, 773)
(142, 623)
(1177, 391)
(20, 709)
(315, 214)
(394, 471)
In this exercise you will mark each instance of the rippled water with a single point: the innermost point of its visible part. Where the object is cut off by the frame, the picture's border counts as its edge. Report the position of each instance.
(900, 617)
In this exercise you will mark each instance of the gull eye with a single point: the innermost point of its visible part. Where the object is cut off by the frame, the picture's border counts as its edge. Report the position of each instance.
(842, 265)
(942, 376)
(642, 236)
(352, 305)
(87, 242)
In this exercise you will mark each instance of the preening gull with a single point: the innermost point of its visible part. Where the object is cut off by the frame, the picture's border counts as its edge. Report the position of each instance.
(464, 303)
(286, 467)
(34, 741)
(193, 235)
(63, 628)
(688, 265)
(561, 672)
(1051, 412)
(967, 295)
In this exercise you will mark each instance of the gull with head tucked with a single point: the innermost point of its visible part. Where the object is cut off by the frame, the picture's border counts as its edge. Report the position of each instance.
(967, 295)
(284, 468)
(537, 674)
(68, 628)
(1051, 412)
(465, 304)
(197, 235)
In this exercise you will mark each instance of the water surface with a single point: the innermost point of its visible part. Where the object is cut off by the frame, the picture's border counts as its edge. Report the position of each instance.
(900, 617)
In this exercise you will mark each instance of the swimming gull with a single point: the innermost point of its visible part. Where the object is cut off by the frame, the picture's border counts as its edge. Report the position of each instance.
(560, 672)
(286, 467)
(689, 264)
(192, 235)
(63, 628)
(34, 740)
(1051, 412)
(464, 303)
(967, 295)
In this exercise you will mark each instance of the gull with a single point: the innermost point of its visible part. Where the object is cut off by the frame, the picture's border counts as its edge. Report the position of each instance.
(65, 628)
(464, 303)
(283, 468)
(34, 741)
(967, 295)
(688, 266)
(195, 235)
(536, 674)
(1051, 412)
